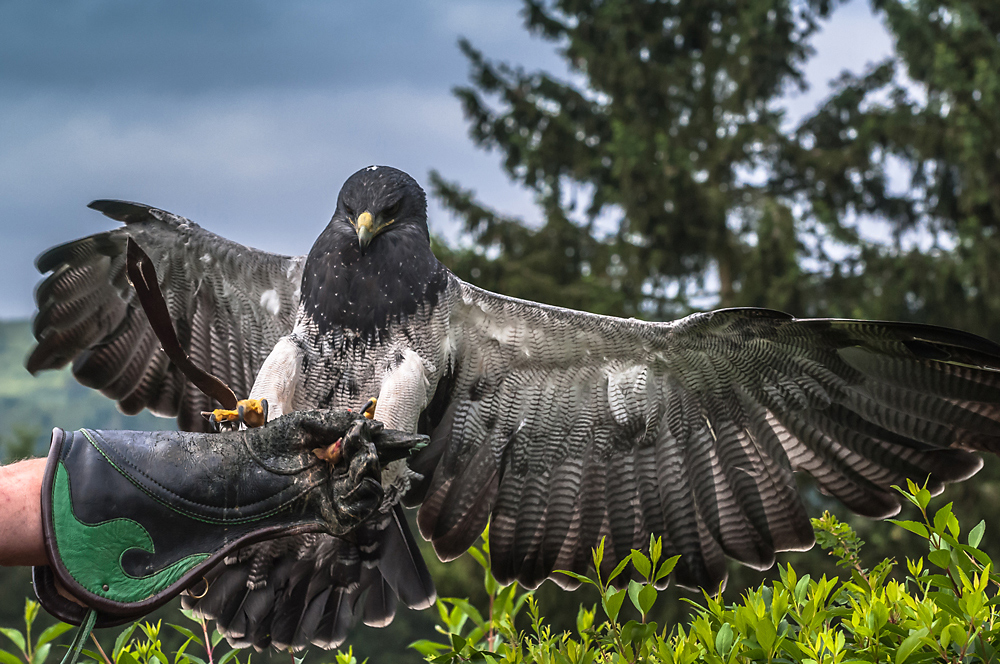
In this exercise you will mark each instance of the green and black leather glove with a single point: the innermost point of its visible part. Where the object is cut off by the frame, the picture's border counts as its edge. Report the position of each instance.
(132, 518)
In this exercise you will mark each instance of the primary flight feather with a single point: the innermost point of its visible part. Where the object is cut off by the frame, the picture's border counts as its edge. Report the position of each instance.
(557, 427)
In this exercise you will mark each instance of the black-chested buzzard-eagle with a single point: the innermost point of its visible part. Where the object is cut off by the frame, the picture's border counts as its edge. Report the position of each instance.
(556, 426)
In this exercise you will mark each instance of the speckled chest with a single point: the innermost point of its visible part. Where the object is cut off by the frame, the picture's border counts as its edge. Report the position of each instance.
(342, 368)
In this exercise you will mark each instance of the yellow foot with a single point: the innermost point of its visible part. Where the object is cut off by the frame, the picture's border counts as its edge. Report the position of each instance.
(251, 412)
(368, 410)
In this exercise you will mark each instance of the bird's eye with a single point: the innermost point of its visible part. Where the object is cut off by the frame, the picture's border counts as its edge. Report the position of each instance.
(392, 210)
(350, 212)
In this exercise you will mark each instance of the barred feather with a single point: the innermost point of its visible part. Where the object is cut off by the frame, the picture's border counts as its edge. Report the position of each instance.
(88, 313)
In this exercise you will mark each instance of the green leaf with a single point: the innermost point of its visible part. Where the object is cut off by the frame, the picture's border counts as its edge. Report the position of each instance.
(801, 588)
(619, 568)
(122, 639)
(30, 612)
(579, 577)
(15, 636)
(647, 597)
(8, 658)
(910, 644)
(598, 553)
(216, 637)
(641, 562)
(976, 534)
(427, 648)
(724, 639)
(636, 632)
(519, 602)
(633, 593)
(179, 657)
(765, 634)
(479, 557)
(53, 632)
(183, 630)
(125, 657)
(468, 609)
(229, 655)
(947, 601)
(655, 548)
(941, 558)
(666, 568)
(41, 654)
(613, 603)
(457, 642)
(490, 582)
(584, 619)
(914, 527)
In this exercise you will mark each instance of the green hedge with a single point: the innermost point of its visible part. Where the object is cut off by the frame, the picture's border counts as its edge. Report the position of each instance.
(941, 608)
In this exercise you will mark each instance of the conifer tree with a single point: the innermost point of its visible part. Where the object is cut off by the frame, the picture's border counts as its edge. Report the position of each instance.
(669, 128)
(914, 142)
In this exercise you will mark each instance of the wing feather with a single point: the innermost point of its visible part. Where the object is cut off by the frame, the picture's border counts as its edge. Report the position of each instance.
(691, 431)
(230, 304)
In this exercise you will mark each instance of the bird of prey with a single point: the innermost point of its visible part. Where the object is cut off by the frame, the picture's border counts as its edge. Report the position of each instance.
(557, 427)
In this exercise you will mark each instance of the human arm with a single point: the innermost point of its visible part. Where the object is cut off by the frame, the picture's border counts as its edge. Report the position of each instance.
(21, 513)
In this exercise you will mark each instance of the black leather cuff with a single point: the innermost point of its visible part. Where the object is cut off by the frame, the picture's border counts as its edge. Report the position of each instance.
(133, 518)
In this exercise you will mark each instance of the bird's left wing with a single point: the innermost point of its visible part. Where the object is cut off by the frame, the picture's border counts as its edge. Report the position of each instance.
(561, 428)
(229, 303)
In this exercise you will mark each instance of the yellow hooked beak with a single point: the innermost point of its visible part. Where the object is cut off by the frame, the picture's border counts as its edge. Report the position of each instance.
(366, 229)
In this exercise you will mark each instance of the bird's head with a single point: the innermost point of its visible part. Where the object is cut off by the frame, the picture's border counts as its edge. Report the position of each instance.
(380, 199)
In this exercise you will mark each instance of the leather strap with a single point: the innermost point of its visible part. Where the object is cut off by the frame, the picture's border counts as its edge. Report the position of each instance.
(142, 275)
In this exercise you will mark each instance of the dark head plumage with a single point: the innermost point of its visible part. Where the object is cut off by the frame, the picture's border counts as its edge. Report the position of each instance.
(373, 263)
(389, 196)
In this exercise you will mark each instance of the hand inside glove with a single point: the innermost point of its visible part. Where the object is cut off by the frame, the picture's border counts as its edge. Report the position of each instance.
(133, 518)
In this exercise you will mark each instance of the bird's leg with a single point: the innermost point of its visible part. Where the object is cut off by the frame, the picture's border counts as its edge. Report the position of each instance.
(251, 412)
(359, 491)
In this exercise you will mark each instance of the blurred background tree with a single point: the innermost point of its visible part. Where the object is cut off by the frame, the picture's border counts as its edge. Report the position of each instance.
(668, 133)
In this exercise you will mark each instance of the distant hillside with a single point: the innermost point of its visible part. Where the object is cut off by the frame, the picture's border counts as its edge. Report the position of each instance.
(53, 398)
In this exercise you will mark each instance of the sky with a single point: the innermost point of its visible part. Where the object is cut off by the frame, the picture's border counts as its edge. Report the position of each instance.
(246, 116)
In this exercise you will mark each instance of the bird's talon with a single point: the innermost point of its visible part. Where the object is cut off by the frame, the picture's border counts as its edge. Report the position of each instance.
(252, 412)
(213, 419)
(331, 453)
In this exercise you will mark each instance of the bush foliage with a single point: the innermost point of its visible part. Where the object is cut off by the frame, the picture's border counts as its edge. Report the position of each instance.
(942, 607)
(939, 607)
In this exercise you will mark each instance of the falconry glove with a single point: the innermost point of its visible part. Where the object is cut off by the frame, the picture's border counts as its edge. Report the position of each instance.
(132, 518)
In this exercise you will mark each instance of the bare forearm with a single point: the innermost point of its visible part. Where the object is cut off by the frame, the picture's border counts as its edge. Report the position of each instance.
(21, 513)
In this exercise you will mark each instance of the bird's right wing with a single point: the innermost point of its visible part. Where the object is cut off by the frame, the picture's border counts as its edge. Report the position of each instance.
(562, 428)
(230, 304)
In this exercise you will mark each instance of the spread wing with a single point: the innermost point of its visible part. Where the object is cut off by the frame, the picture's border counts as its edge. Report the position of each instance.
(229, 303)
(562, 428)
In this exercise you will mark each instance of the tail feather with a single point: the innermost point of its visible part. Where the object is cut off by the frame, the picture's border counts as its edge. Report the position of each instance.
(380, 603)
(307, 589)
(403, 566)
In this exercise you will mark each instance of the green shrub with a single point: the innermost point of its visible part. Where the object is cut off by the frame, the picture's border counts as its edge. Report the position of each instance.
(941, 608)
